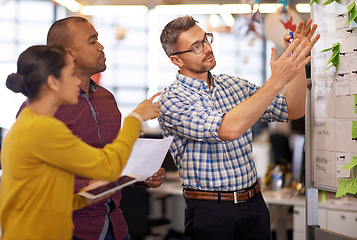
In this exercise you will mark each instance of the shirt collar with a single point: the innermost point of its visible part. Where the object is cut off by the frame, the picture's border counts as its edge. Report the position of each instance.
(92, 86)
(194, 83)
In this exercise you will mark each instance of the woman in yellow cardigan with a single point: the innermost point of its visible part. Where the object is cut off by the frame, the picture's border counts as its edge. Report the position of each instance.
(40, 155)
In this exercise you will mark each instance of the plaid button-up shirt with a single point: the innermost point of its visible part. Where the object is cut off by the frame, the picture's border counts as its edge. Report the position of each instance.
(192, 114)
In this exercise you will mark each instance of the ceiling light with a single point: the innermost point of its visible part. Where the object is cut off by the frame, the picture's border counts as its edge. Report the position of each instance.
(214, 20)
(303, 7)
(268, 7)
(71, 5)
(188, 9)
(204, 9)
(255, 8)
(228, 19)
(224, 10)
(114, 10)
(237, 8)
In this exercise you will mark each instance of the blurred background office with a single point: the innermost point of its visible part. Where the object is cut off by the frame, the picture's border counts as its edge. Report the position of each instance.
(136, 63)
(244, 32)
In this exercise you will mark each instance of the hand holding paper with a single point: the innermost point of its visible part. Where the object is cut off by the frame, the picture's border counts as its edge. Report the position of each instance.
(157, 179)
(147, 157)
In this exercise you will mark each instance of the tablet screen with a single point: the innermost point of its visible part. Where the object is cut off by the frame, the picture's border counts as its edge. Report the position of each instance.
(122, 181)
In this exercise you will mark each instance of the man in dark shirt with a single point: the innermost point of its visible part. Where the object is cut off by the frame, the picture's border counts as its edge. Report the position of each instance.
(96, 120)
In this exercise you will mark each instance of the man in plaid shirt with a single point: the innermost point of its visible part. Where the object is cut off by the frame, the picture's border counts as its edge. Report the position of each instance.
(210, 117)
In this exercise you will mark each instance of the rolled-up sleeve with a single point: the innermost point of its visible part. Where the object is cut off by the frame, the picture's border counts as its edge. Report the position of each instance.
(277, 110)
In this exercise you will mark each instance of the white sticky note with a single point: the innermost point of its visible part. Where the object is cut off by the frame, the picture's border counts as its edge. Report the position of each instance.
(341, 160)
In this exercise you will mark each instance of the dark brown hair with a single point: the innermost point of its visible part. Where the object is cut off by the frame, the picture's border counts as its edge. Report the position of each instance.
(34, 65)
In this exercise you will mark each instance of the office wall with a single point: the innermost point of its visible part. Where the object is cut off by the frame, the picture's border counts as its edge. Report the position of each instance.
(333, 96)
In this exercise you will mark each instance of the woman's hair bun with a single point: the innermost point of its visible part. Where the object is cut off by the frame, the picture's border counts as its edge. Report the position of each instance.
(34, 66)
(16, 83)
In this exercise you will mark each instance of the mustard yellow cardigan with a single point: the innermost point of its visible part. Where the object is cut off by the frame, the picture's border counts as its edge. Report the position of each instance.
(39, 159)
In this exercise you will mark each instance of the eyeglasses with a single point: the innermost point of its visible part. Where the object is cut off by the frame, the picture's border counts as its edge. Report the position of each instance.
(199, 47)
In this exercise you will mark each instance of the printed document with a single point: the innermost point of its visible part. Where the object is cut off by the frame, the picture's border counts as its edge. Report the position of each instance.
(147, 156)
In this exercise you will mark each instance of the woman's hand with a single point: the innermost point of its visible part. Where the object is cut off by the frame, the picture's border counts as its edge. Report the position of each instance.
(147, 109)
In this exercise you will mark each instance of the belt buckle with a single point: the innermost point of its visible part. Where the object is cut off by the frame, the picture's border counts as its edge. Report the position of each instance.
(235, 195)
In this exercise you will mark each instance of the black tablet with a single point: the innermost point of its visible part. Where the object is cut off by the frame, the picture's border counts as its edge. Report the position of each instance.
(110, 187)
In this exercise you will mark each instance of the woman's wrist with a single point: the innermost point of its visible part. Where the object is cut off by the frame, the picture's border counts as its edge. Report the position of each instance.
(138, 117)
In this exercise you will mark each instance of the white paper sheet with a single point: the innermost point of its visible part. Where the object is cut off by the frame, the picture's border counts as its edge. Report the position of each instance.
(341, 29)
(342, 76)
(147, 156)
(353, 72)
(324, 134)
(341, 160)
(325, 168)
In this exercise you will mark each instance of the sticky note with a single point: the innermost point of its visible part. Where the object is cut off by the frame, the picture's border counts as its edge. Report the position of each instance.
(353, 189)
(331, 1)
(316, 1)
(335, 54)
(328, 2)
(341, 187)
(349, 184)
(352, 13)
(351, 164)
(354, 130)
(323, 196)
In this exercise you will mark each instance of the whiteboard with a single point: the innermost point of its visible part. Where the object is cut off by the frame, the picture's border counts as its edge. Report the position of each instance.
(333, 92)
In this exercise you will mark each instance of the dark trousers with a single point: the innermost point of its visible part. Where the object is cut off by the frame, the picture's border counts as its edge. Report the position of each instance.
(221, 220)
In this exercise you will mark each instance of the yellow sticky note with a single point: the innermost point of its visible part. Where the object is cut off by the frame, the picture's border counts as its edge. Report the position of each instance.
(351, 164)
(341, 188)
